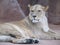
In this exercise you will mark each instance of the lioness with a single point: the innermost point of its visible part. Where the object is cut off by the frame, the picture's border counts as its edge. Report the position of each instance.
(35, 26)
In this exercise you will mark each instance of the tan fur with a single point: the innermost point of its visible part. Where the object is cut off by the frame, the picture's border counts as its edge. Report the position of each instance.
(26, 29)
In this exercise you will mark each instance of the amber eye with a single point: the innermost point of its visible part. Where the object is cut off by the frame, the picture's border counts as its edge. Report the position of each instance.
(39, 10)
(32, 10)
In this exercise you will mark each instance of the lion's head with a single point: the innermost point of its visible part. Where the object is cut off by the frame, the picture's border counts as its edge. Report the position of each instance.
(36, 12)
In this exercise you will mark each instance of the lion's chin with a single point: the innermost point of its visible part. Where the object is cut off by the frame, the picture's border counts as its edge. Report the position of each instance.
(35, 21)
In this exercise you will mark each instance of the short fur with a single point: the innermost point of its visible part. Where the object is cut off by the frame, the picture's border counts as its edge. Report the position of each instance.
(33, 26)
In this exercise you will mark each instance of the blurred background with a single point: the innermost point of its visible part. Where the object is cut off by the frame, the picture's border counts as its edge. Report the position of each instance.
(15, 10)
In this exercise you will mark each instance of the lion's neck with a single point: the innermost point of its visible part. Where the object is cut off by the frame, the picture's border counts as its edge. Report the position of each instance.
(31, 25)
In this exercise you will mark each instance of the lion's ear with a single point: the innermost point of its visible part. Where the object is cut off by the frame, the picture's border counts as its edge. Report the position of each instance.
(29, 5)
(45, 8)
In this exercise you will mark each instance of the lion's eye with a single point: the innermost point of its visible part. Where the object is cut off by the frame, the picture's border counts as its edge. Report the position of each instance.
(32, 10)
(39, 10)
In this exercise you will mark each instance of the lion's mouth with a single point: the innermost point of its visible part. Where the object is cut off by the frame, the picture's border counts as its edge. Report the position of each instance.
(35, 21)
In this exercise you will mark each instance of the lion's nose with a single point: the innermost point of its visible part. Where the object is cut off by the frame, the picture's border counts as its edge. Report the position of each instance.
(34, 16)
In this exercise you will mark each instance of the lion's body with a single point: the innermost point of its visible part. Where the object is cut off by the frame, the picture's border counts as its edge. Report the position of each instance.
(27, 29)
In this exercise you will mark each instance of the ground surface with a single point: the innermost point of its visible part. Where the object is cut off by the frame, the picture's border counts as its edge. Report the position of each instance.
(55, 27)
(42, 42)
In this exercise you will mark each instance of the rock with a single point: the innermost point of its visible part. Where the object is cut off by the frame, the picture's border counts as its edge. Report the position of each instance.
(10, 10)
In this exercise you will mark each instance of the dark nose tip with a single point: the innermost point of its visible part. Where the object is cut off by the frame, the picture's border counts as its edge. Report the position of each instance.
(34, 16)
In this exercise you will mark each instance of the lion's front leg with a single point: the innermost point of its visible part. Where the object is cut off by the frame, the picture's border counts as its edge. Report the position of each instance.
(45, 28)
(44, 24)
(25, 41)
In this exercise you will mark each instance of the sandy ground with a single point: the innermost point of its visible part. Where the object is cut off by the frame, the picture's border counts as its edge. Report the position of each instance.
(42, 42)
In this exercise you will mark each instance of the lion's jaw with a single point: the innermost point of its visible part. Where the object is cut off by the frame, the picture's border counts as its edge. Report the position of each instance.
(34, 20)
(36, 13)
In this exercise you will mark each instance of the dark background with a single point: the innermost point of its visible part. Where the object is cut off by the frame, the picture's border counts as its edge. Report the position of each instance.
(15, 10)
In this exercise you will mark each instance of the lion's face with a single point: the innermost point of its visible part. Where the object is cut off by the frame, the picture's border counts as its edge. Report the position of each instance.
(36, 12)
